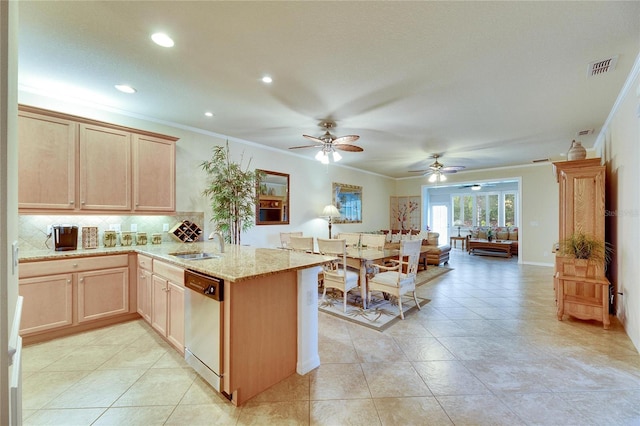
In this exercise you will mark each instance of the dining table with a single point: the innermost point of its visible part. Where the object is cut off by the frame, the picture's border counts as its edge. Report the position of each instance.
(361, 258)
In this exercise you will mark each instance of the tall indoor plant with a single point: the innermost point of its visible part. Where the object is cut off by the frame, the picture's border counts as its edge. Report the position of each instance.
(232, 193)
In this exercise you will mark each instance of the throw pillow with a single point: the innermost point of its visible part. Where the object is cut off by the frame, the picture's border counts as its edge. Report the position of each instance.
(513, 234)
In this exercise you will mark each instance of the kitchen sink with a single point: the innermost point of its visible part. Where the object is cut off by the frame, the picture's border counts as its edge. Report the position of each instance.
(195, 256)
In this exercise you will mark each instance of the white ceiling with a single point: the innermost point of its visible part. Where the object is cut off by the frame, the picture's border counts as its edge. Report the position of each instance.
(484, 84)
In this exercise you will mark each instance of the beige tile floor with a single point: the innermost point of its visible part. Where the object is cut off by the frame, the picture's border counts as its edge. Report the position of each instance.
(487, 350)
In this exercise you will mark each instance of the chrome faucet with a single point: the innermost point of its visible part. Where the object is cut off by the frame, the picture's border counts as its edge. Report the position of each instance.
(213, 236)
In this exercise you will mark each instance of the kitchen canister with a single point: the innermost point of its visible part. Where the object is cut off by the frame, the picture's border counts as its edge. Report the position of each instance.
(89, 237)
(156, 238)
(577, 151)
(126, 238)
(109, 238)
(141, 238)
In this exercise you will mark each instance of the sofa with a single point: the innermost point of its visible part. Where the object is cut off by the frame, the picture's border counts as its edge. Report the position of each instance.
(435, 255)
(503, 233)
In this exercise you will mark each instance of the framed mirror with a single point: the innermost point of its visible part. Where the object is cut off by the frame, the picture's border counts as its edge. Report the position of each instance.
(348, 200)
(272, 190)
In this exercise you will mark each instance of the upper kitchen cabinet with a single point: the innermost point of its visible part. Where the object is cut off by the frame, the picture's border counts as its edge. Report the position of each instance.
(47, 162)
(72, 164)
(154, 174)
(105, 168)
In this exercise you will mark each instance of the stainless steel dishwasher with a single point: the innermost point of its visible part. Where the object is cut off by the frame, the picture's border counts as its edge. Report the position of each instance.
(203, 325)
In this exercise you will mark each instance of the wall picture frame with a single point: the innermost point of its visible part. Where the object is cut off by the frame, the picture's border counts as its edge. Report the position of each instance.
(348, 201)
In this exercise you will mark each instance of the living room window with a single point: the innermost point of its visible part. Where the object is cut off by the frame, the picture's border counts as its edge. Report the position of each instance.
(486, 209)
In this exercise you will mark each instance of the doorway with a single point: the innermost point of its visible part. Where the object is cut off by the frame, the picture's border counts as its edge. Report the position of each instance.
(439, 221)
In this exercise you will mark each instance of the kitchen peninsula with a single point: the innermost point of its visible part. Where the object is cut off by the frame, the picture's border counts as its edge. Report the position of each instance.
(269, 314)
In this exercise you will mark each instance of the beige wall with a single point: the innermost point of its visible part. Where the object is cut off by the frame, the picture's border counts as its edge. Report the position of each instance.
(622, 156)
(538, 214)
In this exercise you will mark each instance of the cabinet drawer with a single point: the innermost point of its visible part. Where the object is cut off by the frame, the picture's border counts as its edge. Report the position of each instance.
(170, 272)
(78, 264)
(144, 262)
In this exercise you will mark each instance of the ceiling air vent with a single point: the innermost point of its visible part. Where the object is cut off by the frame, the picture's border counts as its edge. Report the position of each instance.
(584, 132)
(602, 67)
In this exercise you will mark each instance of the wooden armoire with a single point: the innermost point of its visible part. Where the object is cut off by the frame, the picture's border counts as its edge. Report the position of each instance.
(582, 209)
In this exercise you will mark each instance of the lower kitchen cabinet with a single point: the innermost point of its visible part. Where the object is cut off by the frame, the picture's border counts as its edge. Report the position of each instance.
(103, 294)
(65, 296)
(167, 303)
(144, 281)
(48, 303)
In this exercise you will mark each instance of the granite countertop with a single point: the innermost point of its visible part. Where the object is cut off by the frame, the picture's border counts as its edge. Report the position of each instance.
(237, 263)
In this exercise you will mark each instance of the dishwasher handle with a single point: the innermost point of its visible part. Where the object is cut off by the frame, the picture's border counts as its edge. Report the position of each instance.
(206, 285)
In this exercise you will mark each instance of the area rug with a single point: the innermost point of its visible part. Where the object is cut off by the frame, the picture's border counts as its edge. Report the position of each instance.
(381, 313)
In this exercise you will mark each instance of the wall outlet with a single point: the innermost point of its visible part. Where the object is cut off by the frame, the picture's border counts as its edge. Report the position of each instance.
(134, 227)
(49, 230)
(165, 227)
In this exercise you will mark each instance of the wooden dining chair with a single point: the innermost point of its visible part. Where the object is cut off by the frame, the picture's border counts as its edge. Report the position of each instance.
(352, 238)
(373, 240)
(285, 238)
(397, 280)
(336, 274)
(303, 244)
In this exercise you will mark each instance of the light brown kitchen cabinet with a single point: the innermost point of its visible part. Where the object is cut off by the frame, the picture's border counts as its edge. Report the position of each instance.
(167, 303)
(103, 294)
(144, 287)
(154, 176)
(46, 162)
(47, 303)
(68, 295)
(105, 168)
(76, 165)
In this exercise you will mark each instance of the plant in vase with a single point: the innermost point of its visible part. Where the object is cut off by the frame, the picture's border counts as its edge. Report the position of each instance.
(232, 192)
(584, 250)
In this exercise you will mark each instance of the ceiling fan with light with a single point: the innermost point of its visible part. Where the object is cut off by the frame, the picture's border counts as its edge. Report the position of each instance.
(437, 170)
(328, 144)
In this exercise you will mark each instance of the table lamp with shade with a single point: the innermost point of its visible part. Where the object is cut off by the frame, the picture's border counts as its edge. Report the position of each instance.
(330, 211)
(458, 223)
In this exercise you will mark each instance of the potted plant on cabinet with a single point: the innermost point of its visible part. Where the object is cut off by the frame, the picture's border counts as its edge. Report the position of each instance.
(585, 254)
(232, 192)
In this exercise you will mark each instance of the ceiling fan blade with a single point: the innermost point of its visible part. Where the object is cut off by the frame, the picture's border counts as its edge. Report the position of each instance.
(313, 138)
(346, 139)
(347, 147)
(448, 172)
(421, 171)
(305, 146)
(450, 169)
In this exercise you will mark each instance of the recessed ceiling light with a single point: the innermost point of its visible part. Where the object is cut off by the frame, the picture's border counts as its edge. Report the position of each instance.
(161, 39)
(125, 88)
(208, 114)
(267, 79)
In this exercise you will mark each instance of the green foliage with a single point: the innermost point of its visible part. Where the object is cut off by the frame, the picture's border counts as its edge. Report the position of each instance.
(232, 193)
(582, 246)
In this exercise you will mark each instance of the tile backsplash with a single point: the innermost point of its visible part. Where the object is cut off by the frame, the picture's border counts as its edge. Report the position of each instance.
(32, 232)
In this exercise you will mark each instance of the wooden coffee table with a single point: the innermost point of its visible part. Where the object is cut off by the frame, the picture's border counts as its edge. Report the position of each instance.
(489, 246)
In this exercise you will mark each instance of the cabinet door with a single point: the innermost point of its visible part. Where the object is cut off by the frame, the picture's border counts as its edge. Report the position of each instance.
(46, 162)
(47, 303)
(105, 168)
(159, 290)
(175, 330)
(154, 176)
(144, 294)
(103, 294)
